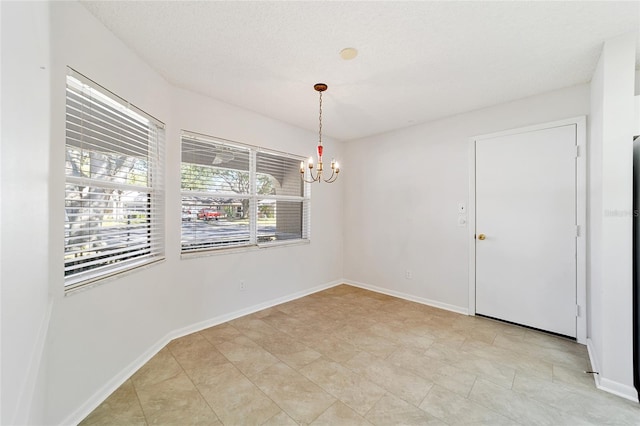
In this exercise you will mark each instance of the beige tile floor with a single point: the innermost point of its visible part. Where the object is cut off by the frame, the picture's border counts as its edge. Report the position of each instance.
(347, 356)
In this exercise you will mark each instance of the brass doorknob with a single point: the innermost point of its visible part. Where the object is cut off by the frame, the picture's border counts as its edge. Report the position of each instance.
(481, 236)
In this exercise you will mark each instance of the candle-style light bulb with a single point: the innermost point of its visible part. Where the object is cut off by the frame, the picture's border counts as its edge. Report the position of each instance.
(310, 162)
(302, 166)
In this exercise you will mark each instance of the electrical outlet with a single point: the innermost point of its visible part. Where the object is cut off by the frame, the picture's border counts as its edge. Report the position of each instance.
(408, 274)
(243, 286)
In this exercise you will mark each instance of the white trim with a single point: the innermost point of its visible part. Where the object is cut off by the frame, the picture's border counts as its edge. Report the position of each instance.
(608, 385)
(409, 297)
(533, 128)
(284, 243)
(595, 365)
(618, 389)
(112, 385)
(581, 219)
(250, 310)
(193, 254)
(101, 394)
(89, 281)
(471, 212)
(28, 388)
(636, 101)
(581, 214)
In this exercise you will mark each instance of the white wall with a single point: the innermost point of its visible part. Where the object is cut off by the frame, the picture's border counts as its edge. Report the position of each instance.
(402, 193)
(98, 336)
(24, 171)
(611, 171)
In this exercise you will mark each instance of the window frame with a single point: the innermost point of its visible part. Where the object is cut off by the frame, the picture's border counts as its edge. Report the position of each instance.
(151, 194)
(253, 197)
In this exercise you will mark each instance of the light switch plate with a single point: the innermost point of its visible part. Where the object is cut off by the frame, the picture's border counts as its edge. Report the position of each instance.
(462, 208)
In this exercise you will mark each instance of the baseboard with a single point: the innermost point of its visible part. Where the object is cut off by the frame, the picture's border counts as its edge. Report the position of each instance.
(607, 385)
(412, 298)
(619, 389)
(103, 393)
(247, 311)
(595, 364)
(23, 410)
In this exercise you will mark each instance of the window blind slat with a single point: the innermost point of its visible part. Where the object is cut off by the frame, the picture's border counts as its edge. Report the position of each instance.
(107, 256)
(278, 174)
(79, 100)
(93, 118)
(92, 241)
(112, 127)
(98, 134)
(101, 143)
(78, 81)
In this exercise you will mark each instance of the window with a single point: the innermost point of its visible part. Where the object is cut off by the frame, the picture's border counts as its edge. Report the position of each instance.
(114, 184)
(236, 195)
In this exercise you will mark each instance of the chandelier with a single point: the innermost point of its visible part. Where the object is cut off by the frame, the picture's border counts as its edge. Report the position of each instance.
(335, 169)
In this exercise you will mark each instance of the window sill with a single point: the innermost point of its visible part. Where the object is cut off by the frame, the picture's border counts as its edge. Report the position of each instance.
(284, 244)
(87, 283)
(242, 249)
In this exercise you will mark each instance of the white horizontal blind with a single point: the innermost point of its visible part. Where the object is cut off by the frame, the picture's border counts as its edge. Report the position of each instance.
(114, 199)
(281, 203)
(216, 188)
(237, 195)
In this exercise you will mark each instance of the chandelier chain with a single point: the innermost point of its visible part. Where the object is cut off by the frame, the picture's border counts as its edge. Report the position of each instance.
(320, 121)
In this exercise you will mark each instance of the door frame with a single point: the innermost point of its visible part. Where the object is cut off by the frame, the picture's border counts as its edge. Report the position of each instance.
(581, 215)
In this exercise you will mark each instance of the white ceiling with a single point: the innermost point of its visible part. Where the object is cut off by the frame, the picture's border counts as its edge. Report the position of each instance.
(418, 61)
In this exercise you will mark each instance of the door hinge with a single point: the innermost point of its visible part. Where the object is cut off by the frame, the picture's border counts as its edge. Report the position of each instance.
(577, 151)
(577, 231)
(577, 310)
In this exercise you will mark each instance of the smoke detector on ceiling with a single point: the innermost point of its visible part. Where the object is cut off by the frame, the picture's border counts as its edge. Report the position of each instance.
(348, 53)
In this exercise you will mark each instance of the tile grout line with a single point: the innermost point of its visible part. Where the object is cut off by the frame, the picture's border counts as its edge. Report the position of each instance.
(144, 412)
(194, 385)
(492, 359)
(251, 381)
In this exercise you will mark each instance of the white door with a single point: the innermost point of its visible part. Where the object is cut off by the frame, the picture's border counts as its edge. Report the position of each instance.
(526, 213)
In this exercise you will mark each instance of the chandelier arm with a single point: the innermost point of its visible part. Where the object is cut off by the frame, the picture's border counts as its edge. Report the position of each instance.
(332, 178)
(313, 178)
(328, 180)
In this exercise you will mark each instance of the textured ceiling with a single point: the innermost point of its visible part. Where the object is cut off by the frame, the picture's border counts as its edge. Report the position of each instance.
(418, 61)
